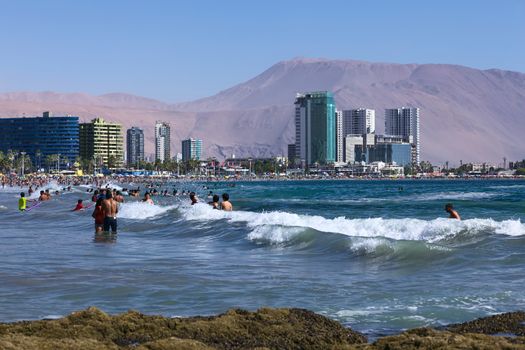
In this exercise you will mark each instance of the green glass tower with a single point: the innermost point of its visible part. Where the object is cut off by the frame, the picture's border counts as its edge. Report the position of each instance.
(315, 128)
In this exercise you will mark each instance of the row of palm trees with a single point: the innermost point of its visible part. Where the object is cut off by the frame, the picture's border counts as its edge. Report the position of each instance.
(13, 160)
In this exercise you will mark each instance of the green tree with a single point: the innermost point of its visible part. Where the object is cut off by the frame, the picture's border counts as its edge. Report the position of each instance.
(38, 158)
(51, 161)
(4, 162)
(27, 163)
(112, 162)
(426, 167)
(11, 156)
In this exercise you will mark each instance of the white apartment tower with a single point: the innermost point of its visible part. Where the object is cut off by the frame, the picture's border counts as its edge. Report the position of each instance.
(339, 136)
(359, 121)
(162, 141)
(404, 122)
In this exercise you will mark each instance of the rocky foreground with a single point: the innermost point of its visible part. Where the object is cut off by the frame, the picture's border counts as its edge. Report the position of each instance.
(239, 329)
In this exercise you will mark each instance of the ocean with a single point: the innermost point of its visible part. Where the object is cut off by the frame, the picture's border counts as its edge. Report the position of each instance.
(378, 256)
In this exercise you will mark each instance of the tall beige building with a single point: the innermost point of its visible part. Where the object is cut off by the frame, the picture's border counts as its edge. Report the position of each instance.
(101, 141)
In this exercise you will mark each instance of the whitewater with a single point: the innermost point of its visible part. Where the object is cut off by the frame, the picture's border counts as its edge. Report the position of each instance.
(377, 255)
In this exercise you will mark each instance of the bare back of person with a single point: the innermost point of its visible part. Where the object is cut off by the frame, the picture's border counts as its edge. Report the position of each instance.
(226, 206)
(110, 207)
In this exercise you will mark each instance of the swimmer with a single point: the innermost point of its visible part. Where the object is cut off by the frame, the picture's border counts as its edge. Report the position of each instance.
(79, 206)
(119, 197)
(225, 204)
(215, 202)
(449, 208)
(98, 215)
(147, 198)
(22, 202)
(43, 196)
(110, 207)
(193, 198)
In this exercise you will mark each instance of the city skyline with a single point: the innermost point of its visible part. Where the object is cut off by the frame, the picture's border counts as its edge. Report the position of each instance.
(226, 120)
(156, 53)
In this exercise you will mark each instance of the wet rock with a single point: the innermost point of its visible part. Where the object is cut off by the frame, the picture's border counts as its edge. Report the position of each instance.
(511, 323)
(430, 339)
(236, 329)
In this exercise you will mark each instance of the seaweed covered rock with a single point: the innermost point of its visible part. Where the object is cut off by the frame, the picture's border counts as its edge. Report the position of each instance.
(430, 339)
(510, 323)
(235, 329)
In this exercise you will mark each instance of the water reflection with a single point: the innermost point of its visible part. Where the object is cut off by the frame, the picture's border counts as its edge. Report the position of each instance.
(104, 237)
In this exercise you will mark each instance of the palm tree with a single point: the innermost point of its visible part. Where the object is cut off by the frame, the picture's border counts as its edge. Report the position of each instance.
(11, 154)
(38, 156)
(51, 160)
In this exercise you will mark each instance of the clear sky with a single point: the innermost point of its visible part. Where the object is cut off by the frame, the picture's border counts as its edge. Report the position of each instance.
(181, 50)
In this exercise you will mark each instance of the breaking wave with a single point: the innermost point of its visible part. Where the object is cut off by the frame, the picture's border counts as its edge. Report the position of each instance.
(366, 234)
(140, 210)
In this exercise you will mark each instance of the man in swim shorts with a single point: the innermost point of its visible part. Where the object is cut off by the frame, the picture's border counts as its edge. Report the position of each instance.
(110, 207)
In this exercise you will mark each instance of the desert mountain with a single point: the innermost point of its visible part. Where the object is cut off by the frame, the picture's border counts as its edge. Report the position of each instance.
(468, 114)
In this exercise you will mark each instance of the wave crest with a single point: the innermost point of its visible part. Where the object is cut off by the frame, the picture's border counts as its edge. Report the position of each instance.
(280, 226)
(140, 210)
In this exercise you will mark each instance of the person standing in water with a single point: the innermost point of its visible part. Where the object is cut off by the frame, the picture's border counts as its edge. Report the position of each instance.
(110, 207)
(225, 204)
(449, 208)
(98, 215)
(22, 202)
(193, 198)
(147, 198)
(215, 202)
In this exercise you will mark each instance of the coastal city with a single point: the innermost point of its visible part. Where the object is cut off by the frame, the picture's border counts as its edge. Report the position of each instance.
(278, 175)
(329, 142)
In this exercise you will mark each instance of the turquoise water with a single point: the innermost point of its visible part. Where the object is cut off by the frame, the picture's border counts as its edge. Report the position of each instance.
(379, 256)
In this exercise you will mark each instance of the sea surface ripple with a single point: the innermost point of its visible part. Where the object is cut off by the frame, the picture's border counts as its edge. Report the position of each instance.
(379, 256)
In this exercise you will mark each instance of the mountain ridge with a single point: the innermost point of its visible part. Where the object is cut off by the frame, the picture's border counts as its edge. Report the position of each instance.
(461, 107)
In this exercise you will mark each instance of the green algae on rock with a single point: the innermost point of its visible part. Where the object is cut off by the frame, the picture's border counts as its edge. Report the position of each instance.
(235, 329)
(510, 323)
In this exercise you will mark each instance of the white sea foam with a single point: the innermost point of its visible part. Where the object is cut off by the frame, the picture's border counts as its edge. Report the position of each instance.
(274, 234)
(451, 195)
(140, 210)
(112, 186)
(503, 187)
(282, 226)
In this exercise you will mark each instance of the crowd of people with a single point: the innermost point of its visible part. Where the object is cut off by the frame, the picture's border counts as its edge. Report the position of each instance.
(106, 201)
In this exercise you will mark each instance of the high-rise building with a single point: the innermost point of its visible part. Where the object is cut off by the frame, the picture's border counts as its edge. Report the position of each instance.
(40, 137)
(351, 141)
(339, 136)
(135, 146)
(315, 128)
(102, 142)
(191, 149)
(162, 141)
(404, 122)
(291, 153)
(359, 121)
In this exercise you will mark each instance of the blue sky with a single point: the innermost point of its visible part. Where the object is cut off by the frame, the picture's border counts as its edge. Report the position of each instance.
(181, 50)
